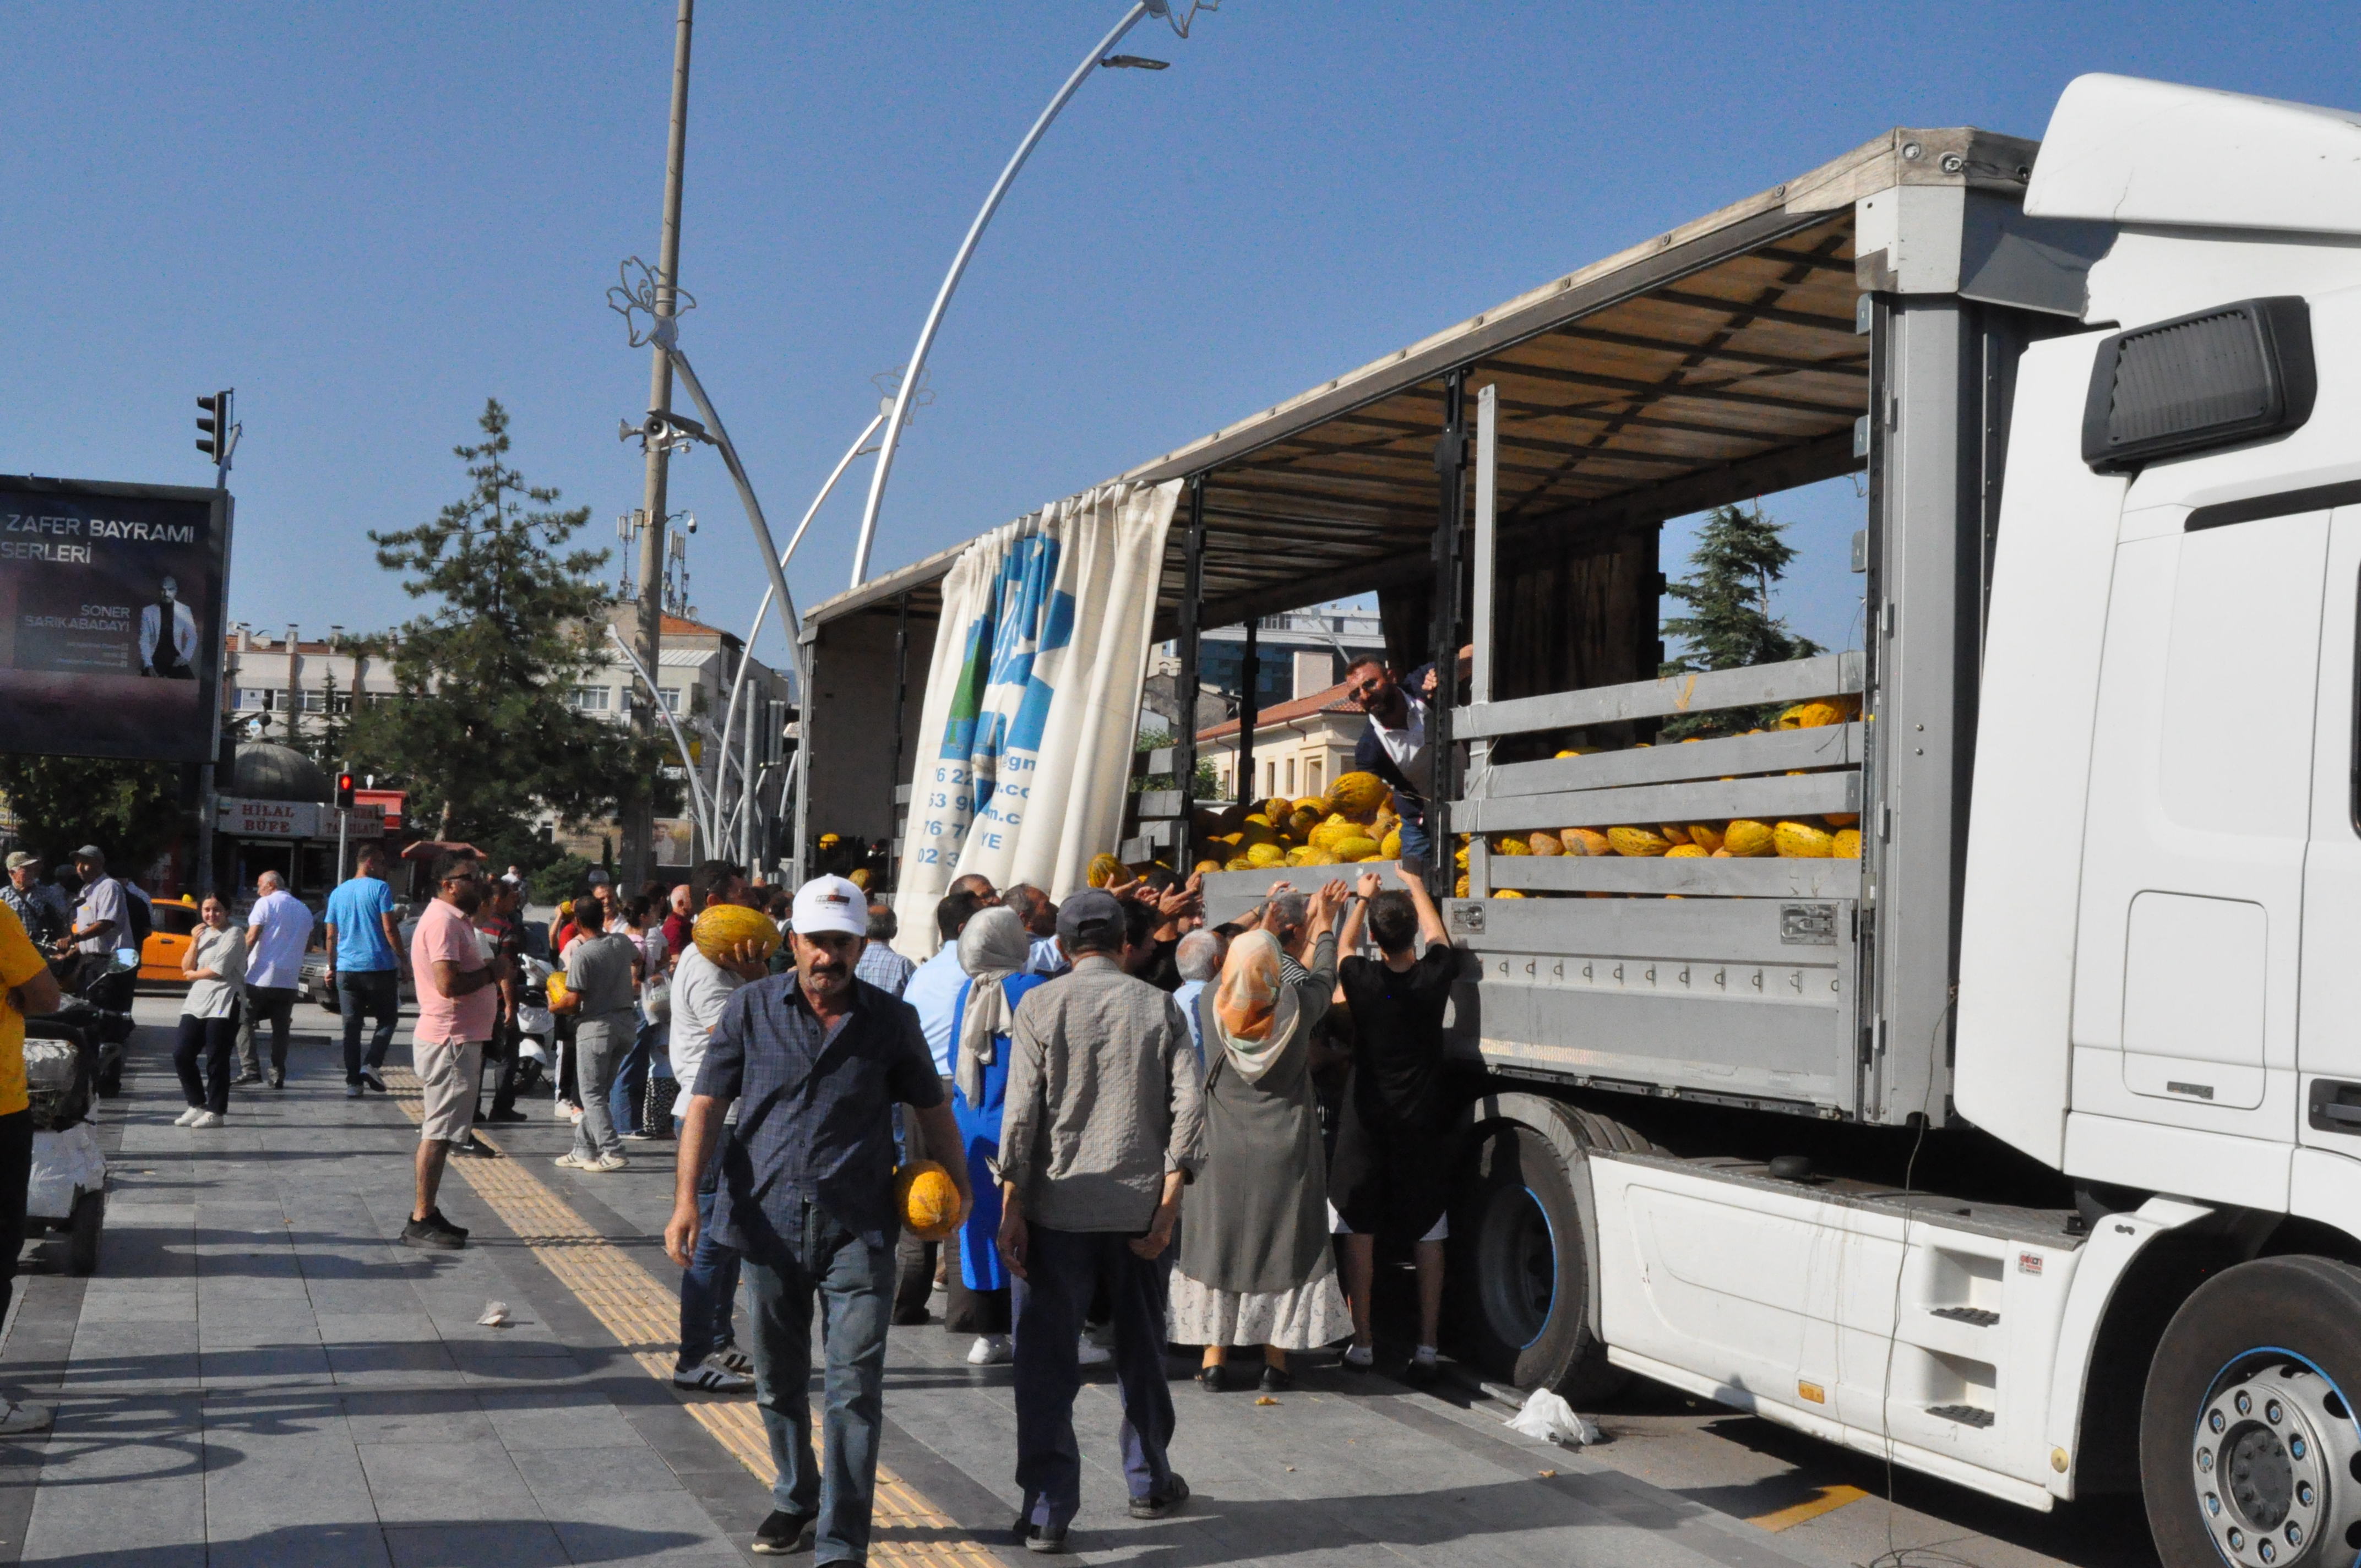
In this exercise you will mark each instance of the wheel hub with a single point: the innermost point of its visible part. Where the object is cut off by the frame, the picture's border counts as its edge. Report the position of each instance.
(2274, 1464)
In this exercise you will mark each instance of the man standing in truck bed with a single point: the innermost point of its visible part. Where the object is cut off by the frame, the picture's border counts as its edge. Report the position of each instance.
(1393, 745)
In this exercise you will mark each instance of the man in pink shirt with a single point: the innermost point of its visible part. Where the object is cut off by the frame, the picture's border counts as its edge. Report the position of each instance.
(459, 1001)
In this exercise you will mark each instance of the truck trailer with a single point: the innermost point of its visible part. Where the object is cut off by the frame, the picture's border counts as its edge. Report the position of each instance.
(2024, 1150)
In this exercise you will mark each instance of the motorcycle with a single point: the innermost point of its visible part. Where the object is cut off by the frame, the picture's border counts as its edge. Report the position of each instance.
(98, 1005)
(67, 1188)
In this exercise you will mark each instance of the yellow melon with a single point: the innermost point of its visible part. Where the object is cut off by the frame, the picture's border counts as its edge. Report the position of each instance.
(1579, 751)
(1541, 842)
(1389, 847)
(859, 877)
(722, 927)
(931, 1204)
(1686, 852)
(1721, 854)
(1705, 836)
(1459, 888)
(1103, 870)
(1295, 856)
(1301, 822)
(1811, 715)
(556, 987)
(1841, 818)
(1208, 866)
(1583, 842)
(1358, 795)
(1506, 893)
(1746, 838)
(1265, 854)
(1511, 844)
(1348, 851)
(1638, 842)
(1800, 841)
(1673, 832)
(1238, 864)
(1336, 827)
(1317, 857)
(1845, 845)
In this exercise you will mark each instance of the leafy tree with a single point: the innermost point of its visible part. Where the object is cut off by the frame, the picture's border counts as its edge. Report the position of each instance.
(131, 811)
(1740, 552)
(478, 726)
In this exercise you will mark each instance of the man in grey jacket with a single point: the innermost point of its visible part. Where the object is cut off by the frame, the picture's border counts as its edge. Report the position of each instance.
(1103, 1126)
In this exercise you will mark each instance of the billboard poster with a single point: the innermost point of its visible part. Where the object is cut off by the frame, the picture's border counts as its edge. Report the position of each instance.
(111, 605)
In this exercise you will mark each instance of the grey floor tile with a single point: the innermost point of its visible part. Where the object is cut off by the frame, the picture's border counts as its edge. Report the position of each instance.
(560, 1476)
(511, 1544)
(422, 1482)
(558, 1417)
(648, 1531)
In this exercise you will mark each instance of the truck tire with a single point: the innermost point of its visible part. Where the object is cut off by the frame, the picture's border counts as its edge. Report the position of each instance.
(82, 1231)
(2250, 1453)
(1519, 1271)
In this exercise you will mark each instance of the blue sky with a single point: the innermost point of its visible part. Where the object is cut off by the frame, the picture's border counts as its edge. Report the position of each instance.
(368, 217)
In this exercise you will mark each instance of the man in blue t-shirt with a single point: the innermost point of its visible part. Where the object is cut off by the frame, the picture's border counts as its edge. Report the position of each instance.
(365, 967)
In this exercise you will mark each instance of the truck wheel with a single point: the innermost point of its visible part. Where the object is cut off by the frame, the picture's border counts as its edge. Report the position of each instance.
(1518, 1273)
(82, 1242)
(2250, 1450)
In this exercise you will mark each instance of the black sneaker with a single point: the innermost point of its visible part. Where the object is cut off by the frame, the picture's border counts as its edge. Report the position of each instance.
(424, 1234)
(278, 1077)
(435, 1218)
(1176, 1492)
(1048, 1539)
(784, 1533)
(511, 1115)
(369, 1077)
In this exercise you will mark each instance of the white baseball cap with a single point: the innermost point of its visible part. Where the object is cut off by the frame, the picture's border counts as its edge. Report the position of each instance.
(830, 904)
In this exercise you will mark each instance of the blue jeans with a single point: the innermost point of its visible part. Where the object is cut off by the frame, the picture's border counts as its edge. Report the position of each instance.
(855, 1283)
(1415, 844)
(378, 993)
(708, 1287)
(623, 1101)
(1062, 1268)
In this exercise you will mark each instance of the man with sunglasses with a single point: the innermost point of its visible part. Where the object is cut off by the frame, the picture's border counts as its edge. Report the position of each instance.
(459, 1001)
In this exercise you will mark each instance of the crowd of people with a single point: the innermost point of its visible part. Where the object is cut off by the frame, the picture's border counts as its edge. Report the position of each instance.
(1163, 1130)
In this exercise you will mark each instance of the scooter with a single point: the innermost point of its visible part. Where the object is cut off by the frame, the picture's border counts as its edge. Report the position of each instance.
(536, 1027)
(99, 1004)
(67, 1190)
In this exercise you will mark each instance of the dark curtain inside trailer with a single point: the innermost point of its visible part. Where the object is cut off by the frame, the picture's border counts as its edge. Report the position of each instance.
(1576, 611)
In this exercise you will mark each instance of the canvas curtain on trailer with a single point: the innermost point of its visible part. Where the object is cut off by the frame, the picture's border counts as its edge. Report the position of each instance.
(1033, 700)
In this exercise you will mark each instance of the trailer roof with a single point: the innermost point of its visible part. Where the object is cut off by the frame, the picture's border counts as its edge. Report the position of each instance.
(1712, 363)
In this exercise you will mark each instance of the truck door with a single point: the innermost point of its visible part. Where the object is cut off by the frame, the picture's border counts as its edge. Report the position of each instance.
(2329, 1027)
(2186, 991)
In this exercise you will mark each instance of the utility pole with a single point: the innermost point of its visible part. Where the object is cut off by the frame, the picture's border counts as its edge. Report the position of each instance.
(639, 820)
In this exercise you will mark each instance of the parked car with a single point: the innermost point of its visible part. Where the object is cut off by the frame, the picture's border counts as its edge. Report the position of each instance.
(161, 954)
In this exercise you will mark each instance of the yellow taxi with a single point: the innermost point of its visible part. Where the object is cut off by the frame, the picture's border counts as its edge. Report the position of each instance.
(159, 955)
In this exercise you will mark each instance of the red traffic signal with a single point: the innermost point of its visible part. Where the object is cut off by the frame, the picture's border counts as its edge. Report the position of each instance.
(345, 783)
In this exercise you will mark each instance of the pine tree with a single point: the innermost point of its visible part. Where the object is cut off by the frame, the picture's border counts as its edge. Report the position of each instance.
(1740, 552)
(478, 726)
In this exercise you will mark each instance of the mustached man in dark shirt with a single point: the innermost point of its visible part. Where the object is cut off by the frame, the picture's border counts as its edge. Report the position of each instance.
(815, 1061)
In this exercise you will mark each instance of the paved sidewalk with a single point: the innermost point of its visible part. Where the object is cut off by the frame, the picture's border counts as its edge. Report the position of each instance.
(260, 1374)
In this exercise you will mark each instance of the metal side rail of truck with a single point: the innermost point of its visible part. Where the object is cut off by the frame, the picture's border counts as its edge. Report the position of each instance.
(2025, 1149)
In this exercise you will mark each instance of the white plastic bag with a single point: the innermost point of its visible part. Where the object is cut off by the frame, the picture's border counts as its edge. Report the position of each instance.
(1552, 1419)
(495, 1315)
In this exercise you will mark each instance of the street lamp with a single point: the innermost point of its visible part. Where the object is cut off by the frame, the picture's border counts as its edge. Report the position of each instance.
(1100, 57)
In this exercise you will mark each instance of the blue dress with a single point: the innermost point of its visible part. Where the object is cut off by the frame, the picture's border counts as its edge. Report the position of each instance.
(979, 1127)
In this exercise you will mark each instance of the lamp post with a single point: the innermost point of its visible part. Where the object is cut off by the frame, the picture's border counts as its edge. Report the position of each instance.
(1100, 57)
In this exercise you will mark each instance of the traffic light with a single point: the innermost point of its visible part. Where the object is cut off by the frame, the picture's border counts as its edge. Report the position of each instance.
(214, 425)
(344, 792)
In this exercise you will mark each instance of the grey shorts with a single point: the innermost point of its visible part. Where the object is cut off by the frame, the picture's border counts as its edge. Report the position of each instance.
(448, 1072)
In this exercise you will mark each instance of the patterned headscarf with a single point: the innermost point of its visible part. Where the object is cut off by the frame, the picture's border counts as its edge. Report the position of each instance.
(1246, 1006)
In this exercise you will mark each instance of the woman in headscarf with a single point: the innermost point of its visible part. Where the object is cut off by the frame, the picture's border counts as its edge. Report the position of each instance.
(1256, 1267)
(992, 952)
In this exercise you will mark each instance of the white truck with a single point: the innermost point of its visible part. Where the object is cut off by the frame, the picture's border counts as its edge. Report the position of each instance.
(2026, 1148)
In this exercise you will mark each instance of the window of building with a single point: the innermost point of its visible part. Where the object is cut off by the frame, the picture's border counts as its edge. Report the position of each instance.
(589, 700)
(1271, 778)
(672, 699)
(1311, 777)
(255, 699)
(312, 702)
(1291, 776)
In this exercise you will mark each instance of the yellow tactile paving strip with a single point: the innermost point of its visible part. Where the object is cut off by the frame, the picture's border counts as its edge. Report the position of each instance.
(643, 1313)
